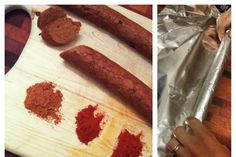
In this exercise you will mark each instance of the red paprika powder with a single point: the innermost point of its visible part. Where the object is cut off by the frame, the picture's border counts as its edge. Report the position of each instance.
(44, 101)
(128, 145)
(88, 124)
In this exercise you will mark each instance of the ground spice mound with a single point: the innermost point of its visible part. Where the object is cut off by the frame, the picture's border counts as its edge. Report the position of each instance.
(128, 145)
(44, 101)
(88, 124)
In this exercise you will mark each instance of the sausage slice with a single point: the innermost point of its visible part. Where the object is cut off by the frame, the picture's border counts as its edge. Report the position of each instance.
(60, 31)
(49, 15)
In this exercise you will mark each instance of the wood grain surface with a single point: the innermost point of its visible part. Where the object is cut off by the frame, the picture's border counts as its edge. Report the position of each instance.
(39, 62)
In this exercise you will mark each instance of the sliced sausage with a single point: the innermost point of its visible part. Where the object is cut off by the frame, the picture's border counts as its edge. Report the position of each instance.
(49, 15)
(60, 31)
(113, 77)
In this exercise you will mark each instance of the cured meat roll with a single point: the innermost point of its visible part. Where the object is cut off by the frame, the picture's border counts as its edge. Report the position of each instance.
(113, 77)
(117, 24)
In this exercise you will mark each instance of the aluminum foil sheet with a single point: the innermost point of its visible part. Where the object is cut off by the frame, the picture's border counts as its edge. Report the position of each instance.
(192, 58)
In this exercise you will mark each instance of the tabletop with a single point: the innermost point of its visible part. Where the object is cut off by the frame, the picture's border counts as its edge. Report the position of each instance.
(17, 31)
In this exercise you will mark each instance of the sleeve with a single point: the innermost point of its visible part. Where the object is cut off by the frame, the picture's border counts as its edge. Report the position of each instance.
(223, 8)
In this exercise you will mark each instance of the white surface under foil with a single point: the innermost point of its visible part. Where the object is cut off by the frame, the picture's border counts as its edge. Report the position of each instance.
(191, 67)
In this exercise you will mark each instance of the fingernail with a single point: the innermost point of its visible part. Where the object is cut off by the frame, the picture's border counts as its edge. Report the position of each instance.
(220, 38)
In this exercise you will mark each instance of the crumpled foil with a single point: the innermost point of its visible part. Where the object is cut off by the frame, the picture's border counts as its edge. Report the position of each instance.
(191, 64)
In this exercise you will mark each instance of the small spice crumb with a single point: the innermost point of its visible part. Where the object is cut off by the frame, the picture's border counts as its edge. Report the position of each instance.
(88, 124)
(43, 101)
(128, 145)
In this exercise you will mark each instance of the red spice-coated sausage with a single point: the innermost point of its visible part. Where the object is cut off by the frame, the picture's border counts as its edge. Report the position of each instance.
(61, 31)
(49, 15)
(113, 77)
(117, 24)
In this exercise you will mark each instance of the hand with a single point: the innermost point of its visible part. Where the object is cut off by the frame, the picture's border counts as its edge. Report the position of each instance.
(202, 9)
(210, 39)
(223, 23)
(196, 141)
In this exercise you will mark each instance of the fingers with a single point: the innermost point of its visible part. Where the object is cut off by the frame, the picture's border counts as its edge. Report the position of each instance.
(223, 22)
(229, 33)
(183, 137)
(188, 138)
(210, 39)
(196, 126)
(221, 30)
(210, 43)
(200, 131)
(195, 140)
(211, 32)
(181, 152)
(172, 144)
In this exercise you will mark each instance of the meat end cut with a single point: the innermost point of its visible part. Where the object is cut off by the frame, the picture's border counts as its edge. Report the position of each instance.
(60, 31)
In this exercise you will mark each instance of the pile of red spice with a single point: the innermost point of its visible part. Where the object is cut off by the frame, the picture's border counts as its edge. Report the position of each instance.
(128, 145)
(88, 124)
(44, 101)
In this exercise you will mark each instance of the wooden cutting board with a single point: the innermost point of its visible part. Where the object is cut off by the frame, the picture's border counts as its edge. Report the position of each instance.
(28, 135)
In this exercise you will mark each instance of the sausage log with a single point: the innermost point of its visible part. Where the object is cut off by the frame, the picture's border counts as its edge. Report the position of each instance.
(117, 24)
(113, 77)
